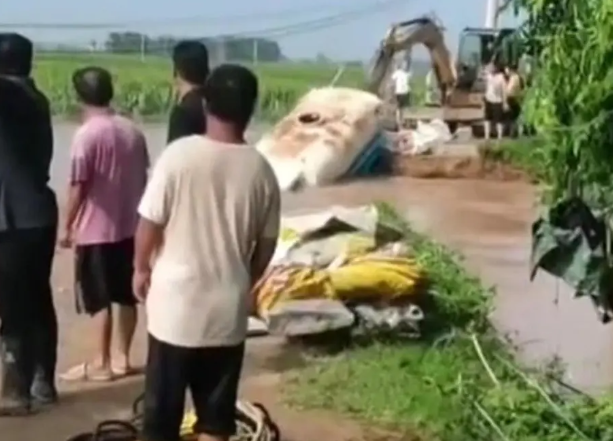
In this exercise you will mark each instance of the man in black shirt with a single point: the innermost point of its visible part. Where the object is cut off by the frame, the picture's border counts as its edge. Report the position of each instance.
(28, 223)
(191, 68)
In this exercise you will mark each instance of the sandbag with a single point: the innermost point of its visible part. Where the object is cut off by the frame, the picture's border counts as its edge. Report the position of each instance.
(318, 141)
(371, 277)
(286, 283)
(322, 251)
(376, 277)
(317, 239)
(298, 318)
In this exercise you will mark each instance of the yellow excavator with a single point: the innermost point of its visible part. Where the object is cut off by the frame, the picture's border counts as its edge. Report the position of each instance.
(461, 84)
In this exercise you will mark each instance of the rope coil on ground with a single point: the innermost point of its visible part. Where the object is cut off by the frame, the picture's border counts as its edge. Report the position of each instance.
(253, 423)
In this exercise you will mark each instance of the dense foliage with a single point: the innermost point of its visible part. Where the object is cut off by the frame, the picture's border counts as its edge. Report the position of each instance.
(570, 103)
(144, 87)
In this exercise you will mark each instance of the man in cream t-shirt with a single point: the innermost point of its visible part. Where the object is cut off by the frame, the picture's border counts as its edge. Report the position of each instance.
(401, 79)
(210, 214)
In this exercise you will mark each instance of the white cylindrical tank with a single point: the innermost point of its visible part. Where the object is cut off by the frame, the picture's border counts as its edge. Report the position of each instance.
(320, 139)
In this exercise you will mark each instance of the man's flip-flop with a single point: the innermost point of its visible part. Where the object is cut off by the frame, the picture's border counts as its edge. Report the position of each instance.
(123, 373)
(84, 372)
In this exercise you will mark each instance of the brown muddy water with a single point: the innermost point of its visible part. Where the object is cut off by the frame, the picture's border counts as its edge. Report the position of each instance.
(488, 222)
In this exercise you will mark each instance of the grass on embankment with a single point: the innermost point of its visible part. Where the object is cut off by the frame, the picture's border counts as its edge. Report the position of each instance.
(461, 384)
(521, 153)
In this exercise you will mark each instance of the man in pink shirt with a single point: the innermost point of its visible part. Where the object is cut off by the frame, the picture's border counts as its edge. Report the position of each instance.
(109, 163)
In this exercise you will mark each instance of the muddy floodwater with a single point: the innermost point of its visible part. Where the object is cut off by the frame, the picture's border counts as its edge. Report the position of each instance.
(489, 223)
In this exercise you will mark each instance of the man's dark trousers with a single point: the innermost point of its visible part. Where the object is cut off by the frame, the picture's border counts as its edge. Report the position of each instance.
(28, 328)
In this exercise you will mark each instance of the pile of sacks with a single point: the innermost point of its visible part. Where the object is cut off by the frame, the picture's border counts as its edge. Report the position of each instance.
(340, 269)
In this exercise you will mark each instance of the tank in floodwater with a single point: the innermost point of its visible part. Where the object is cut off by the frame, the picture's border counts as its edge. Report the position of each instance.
(331, 133)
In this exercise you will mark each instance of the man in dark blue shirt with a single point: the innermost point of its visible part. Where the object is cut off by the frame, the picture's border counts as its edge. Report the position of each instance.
(191, 68)
(28, 224)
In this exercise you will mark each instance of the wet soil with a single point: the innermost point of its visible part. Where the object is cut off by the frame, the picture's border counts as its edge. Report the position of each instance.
(452, 167)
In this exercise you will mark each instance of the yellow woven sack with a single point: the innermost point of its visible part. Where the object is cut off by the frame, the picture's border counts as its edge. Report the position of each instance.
(376, 277)
(285, 283)
(288, 235)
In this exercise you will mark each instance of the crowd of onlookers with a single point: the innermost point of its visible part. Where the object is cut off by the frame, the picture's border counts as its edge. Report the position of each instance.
(503, 93)
(502, 97)
(188, 239)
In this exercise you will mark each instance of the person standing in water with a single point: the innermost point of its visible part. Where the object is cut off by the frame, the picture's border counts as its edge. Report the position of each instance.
(190, 60)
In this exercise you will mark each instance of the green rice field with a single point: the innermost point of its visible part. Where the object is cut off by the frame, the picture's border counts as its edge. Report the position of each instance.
(144, 87)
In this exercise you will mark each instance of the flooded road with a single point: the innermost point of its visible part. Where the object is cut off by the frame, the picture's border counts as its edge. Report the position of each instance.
(63, 132)
(489, 223)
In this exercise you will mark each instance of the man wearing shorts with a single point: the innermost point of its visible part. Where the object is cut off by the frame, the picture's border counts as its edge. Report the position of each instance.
(495, 101)
(109, 163)
(210, 216)
(401, 79)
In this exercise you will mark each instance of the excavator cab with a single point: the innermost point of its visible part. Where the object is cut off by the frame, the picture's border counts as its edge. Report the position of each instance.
(480, 46)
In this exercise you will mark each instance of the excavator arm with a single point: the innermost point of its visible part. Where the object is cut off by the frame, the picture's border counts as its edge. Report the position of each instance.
(403, 36)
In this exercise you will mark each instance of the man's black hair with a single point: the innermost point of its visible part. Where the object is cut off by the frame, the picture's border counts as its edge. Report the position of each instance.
(93, 85)
(16, 52)
(231, 93)
(190, 59)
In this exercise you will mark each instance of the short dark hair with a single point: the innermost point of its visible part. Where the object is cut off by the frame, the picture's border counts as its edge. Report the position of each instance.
(190, 60)
(231, 93)
(93, 85)
(16, 52)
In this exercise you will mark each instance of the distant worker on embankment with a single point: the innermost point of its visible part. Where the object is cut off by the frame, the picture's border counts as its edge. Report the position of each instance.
(431, 87)
(495, 101)
(190, 60)
(401, 80)
(515, 85)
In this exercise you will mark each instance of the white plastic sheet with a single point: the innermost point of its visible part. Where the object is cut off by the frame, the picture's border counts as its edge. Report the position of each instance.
(428, 135)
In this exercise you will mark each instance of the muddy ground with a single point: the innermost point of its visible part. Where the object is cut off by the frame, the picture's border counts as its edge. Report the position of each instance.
(453, 167)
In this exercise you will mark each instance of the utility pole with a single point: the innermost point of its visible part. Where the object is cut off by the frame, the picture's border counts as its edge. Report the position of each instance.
(221, 49)
(255, 51)
(491, 13)
(143, 46)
